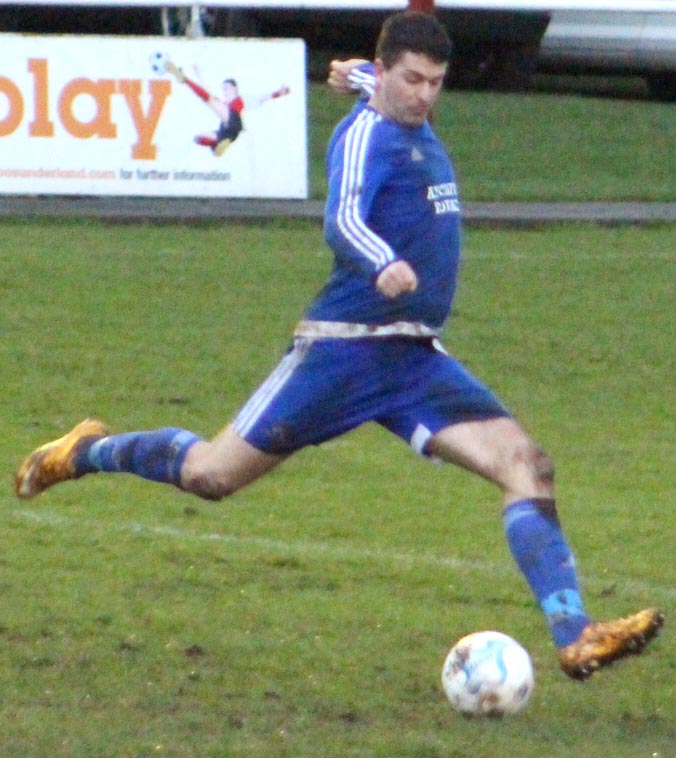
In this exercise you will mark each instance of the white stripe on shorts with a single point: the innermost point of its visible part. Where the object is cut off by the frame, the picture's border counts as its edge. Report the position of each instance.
(266, 393)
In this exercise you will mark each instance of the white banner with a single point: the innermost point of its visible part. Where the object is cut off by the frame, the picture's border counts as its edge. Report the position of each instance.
(106, 116)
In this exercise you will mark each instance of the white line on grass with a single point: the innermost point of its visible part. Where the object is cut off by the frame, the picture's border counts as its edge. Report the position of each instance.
(330, 551)
(555, 255)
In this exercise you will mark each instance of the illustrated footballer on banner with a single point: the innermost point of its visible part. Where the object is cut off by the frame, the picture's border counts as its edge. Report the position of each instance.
(228, 107)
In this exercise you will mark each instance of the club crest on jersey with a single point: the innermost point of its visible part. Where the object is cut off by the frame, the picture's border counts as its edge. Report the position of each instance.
(445, 197)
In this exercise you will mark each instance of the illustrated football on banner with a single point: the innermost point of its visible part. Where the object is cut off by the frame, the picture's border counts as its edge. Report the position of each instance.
(152, 116)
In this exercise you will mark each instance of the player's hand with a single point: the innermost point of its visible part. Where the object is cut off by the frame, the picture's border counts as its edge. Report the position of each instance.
(338, 73)
(397, 279)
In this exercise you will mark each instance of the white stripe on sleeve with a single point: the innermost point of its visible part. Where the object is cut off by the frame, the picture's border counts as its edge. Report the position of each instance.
(349, 219)
(362, 81)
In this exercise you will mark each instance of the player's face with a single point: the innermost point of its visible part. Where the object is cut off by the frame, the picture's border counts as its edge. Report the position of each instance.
(407, 91)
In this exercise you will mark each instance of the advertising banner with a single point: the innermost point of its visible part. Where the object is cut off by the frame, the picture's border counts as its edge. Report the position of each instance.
(153, 116)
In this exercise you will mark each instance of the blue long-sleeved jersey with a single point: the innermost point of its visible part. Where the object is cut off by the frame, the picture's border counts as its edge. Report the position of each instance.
(392, 195)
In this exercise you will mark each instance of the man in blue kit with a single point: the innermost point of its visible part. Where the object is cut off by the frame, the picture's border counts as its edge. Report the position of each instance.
(368, 350)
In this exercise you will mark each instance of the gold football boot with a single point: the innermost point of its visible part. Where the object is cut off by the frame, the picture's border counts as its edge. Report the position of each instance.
(54, 462)
(603, 642)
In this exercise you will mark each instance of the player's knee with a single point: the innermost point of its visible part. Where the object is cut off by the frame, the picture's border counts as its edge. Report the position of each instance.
(203, 474)
(205, 486)
(534, 464)
(541, 465)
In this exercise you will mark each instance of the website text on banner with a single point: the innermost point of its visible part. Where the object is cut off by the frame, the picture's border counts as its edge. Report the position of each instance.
(150, 116)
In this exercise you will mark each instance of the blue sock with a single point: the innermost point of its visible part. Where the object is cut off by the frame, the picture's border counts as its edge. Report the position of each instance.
(157, 455)
(541, 552)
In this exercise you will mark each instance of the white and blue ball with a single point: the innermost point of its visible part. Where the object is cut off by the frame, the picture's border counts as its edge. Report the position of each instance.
(158, 62)
(488, 674)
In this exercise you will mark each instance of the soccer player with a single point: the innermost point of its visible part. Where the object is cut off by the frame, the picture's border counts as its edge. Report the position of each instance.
(368, 350)
(228, 108)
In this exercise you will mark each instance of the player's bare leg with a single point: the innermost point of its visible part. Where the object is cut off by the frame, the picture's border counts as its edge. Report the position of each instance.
(175, 71)
(219, 468)
(501, 452)
(217, 148)
(220, 147)
(211, 470)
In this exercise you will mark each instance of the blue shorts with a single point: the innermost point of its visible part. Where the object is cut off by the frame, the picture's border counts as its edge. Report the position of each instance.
(323, 388)
(231, 129)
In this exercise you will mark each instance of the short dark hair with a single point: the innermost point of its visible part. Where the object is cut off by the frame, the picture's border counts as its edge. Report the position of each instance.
(230, 81)
(412, 32)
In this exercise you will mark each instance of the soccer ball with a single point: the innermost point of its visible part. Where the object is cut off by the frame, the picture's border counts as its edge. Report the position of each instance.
(158, 62)
(487, 674)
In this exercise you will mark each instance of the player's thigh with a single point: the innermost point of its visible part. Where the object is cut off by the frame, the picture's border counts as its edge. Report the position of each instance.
(496, 448)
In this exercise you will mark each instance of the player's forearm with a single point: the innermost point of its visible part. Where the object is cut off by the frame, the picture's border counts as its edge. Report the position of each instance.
(355, 245)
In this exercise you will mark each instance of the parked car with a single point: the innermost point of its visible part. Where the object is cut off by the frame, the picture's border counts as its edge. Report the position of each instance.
(491, 47)
(636, 42)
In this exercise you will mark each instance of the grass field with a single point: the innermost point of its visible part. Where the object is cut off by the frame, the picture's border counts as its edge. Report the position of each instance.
(537, 146)
(310, 614)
